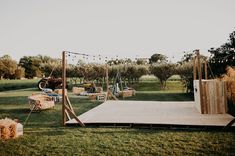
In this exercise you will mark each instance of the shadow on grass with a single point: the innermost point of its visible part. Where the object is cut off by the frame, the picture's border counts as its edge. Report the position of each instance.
(161, 97)
(14, 100)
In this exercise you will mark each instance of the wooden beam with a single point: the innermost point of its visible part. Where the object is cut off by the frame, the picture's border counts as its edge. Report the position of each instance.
(200, 80)
(194, 68)
(107, 81)
(74, 115)
(69, 103)
(63, 87)
(206, 73)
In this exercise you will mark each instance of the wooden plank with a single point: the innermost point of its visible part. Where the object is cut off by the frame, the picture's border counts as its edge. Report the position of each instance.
(151, 112)
(107, 81)
(63, 86)
(194, 68)
(205, 68)
(69, 104)
(67, 114)
(75, 117)
(200, 80)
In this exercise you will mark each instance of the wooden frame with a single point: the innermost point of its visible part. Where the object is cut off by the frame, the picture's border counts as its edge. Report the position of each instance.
(67, 108)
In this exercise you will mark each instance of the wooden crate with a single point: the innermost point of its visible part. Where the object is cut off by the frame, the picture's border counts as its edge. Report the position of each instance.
(214, 97)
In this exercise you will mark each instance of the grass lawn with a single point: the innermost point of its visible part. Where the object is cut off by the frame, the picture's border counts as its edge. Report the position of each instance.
(44, 135)
(17, 84)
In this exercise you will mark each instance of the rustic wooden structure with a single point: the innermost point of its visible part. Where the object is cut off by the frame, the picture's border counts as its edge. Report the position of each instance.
(214, 97)
(151, 114)
(67, 109)
(210, 95)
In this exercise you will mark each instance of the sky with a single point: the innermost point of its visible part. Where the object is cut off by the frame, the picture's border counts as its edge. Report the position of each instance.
(127, 28)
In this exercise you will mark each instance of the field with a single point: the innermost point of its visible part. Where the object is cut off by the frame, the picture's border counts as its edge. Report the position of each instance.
(44, 135)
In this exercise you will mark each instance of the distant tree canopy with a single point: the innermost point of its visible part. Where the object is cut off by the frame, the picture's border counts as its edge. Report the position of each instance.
(163, 71)
(7, 67)
(158, 58)
(37, 66)
(223, 56)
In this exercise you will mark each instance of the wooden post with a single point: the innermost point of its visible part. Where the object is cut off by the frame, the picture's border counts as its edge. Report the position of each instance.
(206, 73)
(63, 87)
(194, 68)
(107, 81)
(200, 80)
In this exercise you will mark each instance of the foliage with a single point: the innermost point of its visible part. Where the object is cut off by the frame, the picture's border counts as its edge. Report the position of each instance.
(185, 70)
(7, 67)
(223, 56)
(163, 71)
(38, 66)
(158, 58)
(19, 72)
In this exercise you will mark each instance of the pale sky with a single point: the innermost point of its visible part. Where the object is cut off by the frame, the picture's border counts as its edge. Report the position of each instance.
(114, 27)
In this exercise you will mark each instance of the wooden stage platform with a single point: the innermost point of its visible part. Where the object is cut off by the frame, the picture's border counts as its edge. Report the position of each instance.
(151, 113)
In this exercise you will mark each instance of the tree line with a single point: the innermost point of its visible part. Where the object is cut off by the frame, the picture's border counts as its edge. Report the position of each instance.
(131, 71)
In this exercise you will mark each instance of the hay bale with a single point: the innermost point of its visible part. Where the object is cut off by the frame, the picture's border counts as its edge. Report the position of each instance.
(7, 129)
(99, 89)
(78, 90)
(127, 93)
(40, 102)
(59, 91)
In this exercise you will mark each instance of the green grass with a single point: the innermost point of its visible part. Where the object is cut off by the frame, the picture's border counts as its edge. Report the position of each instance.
(17, 84)
(171, 86)
(44, 135)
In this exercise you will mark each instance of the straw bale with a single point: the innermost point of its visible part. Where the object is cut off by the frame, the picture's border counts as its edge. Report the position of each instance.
(78, 90)
(40, 102)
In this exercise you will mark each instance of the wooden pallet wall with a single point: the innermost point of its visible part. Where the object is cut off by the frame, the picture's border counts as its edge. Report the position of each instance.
(214, 97)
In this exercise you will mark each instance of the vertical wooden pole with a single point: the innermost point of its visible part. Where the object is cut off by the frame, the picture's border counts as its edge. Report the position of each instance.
(206, 73)
(194, 68)
(107, 80)
(200, 80)
(63, 87)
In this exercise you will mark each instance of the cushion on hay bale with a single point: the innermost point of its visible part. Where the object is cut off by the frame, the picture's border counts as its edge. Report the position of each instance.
(78, 90)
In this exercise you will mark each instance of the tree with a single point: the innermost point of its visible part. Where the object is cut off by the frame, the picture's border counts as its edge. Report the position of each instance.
(158, 58)
(19, 72)
(185, 70)
(163, 71)
(31, 65)
(223, 56)
(7, 67)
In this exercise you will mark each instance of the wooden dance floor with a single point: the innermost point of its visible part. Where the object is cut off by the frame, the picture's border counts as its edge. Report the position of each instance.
(151, 113)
